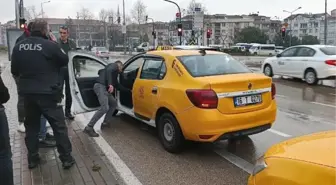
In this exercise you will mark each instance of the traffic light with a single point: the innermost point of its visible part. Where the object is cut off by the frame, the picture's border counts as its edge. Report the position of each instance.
(179, 29)
(22, 22)
(146, 18)
(208, 33)
(283, 32)
(118, 20)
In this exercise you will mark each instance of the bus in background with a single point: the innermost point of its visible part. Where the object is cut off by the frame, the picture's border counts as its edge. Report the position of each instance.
(263, 49)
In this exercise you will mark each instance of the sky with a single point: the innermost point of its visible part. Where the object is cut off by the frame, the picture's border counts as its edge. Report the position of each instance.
(160, 10)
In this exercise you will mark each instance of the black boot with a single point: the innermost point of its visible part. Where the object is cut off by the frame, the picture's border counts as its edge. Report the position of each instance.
(33, 161)
(46, 144)
(50, 137)
(90, 131)
(67, 161)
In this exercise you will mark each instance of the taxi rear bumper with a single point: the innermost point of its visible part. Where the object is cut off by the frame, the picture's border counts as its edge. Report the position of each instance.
(210, 125)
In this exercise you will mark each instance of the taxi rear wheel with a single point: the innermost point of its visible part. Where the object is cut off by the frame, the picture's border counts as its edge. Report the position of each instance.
(170, 133)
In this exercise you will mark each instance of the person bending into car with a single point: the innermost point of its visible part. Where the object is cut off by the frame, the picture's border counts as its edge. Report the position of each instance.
(104, 87)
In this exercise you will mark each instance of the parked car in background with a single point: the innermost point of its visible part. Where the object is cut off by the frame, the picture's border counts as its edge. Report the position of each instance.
(309, 62)
(263, 49)
(101, 52)
(279, 49)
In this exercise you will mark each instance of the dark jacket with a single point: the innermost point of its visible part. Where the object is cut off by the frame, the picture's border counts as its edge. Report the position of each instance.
(4, 95)
(68, 46)
(24, 35)
(109, 76)
(37, 62)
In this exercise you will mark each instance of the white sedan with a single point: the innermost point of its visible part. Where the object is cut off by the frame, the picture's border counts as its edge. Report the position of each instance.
(309, 62)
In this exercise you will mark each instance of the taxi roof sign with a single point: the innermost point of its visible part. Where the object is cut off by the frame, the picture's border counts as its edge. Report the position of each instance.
(165, 47)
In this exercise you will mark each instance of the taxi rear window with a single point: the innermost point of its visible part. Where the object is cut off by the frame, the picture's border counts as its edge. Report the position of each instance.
(212, 65)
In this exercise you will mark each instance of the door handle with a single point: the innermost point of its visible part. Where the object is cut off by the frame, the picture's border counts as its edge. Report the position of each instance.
(154, 90)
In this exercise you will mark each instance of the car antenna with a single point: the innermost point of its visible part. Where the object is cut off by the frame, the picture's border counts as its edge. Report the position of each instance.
(202, 51)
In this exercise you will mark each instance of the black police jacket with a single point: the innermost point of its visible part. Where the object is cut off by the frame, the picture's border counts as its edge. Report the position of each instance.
(109, 76)
(22, 37)
(37, 62)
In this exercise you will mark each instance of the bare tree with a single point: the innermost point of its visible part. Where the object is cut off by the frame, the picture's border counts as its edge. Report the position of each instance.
(88, 17)
(194, 4)
(139, 12)
(223, 36)
(85, 14)
(30, 13)
(105, 14)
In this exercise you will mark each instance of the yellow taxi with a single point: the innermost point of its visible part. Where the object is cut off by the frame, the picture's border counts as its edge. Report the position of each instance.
(305, 160)
(195, 95)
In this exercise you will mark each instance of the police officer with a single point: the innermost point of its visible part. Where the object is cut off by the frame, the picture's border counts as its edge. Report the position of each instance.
(40, 86)
(66, 44)
(46, 139)
(6, 164)
(104, 87)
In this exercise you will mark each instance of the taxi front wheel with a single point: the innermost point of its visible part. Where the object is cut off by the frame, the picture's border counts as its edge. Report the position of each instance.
(170, 133)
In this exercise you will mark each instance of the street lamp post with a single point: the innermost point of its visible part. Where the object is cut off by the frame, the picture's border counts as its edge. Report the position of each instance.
(325, 23)
(153, 30)
(179, 9)
(291, 30)
(42, 12)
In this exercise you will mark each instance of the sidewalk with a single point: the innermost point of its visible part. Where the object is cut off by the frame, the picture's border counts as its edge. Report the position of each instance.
(92, 167)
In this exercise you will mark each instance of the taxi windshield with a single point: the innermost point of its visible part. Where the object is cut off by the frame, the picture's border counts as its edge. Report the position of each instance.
(212, 65)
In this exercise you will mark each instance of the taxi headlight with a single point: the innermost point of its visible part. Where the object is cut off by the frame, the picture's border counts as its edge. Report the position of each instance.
(259, 166)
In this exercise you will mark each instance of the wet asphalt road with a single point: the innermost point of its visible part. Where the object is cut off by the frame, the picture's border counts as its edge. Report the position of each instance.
(302, 109)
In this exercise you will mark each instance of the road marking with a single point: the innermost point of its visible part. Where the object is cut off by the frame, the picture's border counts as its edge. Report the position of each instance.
(328, 105)
(237, 161)
(280, 96)
(332, 94)
(119, 165)
(279, 133)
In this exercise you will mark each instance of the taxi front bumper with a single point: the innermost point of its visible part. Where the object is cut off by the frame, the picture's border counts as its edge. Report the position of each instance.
(209, 125)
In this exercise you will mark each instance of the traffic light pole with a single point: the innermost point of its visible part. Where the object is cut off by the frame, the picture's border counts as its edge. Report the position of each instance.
(153, 33)
(179, 9)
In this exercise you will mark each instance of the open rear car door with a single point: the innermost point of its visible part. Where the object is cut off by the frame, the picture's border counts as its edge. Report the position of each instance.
(83, 71)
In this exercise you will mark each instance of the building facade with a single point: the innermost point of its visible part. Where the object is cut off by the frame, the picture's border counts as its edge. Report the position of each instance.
(331, 31)
(301, 25)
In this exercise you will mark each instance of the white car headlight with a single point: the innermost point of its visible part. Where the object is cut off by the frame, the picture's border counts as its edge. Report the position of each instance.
(259, 166)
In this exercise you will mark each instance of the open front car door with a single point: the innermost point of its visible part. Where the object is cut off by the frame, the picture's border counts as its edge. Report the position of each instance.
(83, 71)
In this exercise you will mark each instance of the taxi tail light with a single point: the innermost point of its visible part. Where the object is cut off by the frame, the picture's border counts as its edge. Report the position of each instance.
(203, 98)
(97, 53)
(331, 62)
(273, 90)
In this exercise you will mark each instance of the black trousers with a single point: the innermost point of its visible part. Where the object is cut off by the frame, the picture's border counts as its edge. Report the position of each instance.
(49, 106)
(6, 164)
(20, 107)
(65, 81)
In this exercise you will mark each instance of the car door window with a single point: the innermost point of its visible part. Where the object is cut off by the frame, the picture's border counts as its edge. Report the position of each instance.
(289, 52)
(153, 69)
(306, 52)
(134, 65)
(85, 67)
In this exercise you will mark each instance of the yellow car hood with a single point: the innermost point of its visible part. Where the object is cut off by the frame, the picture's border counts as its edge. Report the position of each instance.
(318, 148)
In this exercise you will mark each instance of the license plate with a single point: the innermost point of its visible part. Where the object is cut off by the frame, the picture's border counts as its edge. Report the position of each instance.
(247, 100)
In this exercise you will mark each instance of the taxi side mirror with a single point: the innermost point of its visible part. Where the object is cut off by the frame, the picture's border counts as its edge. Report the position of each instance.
(278, 55)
